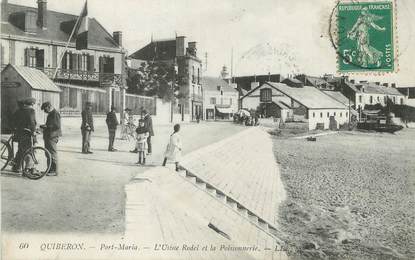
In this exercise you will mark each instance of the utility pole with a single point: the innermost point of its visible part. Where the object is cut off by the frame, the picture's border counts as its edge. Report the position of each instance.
(206, 61)
(232, 65)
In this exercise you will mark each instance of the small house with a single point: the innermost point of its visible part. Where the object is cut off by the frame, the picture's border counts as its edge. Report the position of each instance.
(18, 82)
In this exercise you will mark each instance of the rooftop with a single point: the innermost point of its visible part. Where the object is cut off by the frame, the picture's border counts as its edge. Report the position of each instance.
(35, 78)
(59, 26)
(309, 97)
(212, 83)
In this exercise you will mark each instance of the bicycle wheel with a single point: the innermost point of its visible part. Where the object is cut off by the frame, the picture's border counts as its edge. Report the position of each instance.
(36, 162)
(5, 154)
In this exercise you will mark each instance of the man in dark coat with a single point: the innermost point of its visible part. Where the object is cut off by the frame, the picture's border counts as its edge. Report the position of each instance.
(25, 127)
(112, 124)
(51, 133)
(148, 123)
(87, 127)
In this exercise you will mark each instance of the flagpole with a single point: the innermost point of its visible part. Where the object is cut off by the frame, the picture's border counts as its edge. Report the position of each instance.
(67, 43)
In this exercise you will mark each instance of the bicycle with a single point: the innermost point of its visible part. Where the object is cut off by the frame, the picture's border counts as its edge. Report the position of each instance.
(35, 162)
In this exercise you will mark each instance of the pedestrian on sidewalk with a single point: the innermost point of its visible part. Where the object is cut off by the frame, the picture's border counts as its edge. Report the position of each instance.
(51, 133)
(87, 127)
(112, 123)
(174, 148)
(148, 122)
(141, 145)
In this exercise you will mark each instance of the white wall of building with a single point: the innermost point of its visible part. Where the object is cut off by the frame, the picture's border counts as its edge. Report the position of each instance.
(226, 99)
(323, 116)
(363, 99)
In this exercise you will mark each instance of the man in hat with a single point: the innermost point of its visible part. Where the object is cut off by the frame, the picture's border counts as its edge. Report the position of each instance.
(87, 127)
(112, 124)
(51, 133)
(148, 123)
(25, 127)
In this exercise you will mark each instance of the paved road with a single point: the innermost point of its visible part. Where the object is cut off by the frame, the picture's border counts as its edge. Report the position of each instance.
(88, 195)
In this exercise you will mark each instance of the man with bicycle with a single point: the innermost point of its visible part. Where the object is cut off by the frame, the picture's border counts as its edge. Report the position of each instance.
(51, 133)
(25, 125)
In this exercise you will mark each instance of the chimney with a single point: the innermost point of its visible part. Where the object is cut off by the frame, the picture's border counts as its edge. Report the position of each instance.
(42, 9)
(254, 85)
(191, 47)
(180, 51)
(393, 85)
(385, 84)
(117, 36)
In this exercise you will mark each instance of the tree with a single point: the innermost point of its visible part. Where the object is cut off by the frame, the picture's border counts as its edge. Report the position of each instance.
(154, 78)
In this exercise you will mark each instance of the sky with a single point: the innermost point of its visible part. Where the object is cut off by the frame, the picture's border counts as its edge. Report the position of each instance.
(275, 36)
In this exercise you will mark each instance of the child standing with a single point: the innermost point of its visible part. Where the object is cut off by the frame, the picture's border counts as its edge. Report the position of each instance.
(174, 148)
(141, 146)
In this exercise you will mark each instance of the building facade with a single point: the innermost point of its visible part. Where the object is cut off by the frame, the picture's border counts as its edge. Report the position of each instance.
(37, 38)
(220, 99)
(188, 72)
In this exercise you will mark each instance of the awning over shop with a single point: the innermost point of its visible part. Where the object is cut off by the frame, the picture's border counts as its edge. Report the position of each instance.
(224, 110)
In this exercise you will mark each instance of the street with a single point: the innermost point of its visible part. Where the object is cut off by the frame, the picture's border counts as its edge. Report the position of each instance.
(88, 194)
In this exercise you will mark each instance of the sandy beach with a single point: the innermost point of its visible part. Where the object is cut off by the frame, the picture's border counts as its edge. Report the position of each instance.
(349, 195)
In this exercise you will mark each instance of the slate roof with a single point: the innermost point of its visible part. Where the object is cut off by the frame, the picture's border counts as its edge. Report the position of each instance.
(309, 97)
(337, 95)
(59, 26)
(373, 88)
(35, 78)
(162, 50)
(211, 84)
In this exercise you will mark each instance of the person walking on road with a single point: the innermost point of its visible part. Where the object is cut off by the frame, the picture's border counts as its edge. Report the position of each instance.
(87, 127)
(51, 133)
(24, 119)
(141, 145)
(112, 124)
(148, 123)
(174, 148)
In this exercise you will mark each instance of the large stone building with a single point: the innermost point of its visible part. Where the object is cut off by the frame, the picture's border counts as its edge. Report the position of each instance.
(36, 37)
(189, 71)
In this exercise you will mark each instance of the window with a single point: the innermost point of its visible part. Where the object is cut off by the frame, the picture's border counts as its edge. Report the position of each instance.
(265, 95)
(321, 114)
(401, 101)
(34, 57)
(360, 99)
(218, 88)
(394, 100)
(193, 75)
(371, 100)
(213, 101)
(314, 114)
(341, 114)
(347, 114)
(385, 99)
(198, 75)
(334, 113)
(328, 114)
(378, 99)
(230, 101)
(221, 93)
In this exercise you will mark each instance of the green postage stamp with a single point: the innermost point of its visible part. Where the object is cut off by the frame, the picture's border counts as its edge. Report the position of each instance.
(365, 36)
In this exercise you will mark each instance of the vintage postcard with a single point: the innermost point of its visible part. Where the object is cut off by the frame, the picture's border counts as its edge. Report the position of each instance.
(220, 129)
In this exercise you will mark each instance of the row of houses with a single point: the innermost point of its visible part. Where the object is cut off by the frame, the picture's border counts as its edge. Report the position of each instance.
(34, 40)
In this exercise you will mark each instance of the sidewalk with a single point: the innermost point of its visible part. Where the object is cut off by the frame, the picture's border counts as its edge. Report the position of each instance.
(164, 206)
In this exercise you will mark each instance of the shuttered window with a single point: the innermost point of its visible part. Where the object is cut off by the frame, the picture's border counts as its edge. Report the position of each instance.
(91, 65)
(266, 95)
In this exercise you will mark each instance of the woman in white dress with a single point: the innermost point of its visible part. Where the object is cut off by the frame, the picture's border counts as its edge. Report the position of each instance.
(174, 148)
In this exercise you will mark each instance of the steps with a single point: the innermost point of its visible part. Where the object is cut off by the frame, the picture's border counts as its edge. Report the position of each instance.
(229, 201)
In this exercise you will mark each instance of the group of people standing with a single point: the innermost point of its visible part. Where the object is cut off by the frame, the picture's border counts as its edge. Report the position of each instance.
(24, 125)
